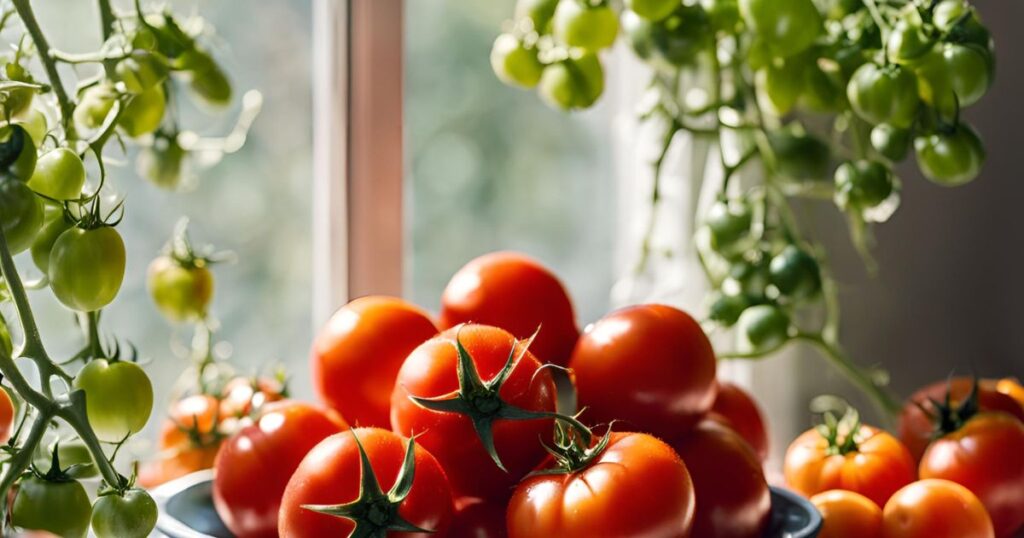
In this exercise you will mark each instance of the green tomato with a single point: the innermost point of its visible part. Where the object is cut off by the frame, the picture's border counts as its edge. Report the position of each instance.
(144, 113)
(21, 214)
(786, 26)
(538, 11)
(640, 34)
(16, 101)
(949, 16)
(62, 508)
(59, 174)
(130, 516)
(74, 457)
(726, 309)
(514, 63)
(950, 158)
(94, 104)
(572, 83)
(163, 34)
(951, 69)
(749, 278)
(908, 42)
(43, 243)
(181, 293)
(884, 94)
(795, 273)
(729, 222)
(862, 184)
(724, 14)
(779, 85)
(141, 71)
(890, 142)
(34, 122)
(17, 151)
(590, 28)
(823, 89)
(86, 268)
(161, 163)
(118, 398)
(671, 42)
(652, 10)
(799, 156)
(762, 329)
(205, 76)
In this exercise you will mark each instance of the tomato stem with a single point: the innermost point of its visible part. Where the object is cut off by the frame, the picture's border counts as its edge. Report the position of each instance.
(67, 106)
(106, 18)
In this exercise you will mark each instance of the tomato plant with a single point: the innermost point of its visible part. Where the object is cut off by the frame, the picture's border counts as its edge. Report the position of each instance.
(132, 514)
(86, 267)
(34, 506)
(935, 509)
(737, 409)
(845, 514)
(589, 27)
(119, 398)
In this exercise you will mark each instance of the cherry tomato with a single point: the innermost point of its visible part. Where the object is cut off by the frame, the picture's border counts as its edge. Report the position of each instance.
(891, 142)
(637, 486)
(762, 329)
(118, 398)
(182, 291)
(141, 71)
(786, 26)
(950, 16)
(952, 69)
(984, 455)
(846, 514)
(780, 84)
(514, 63)
(74, 456)
(588, 27)
(798, 155)
(18, 151)
(935, 509)
(59, 174)
(87, 267)
(199, 413)
(539, 12)
(884, 94)
(862, 184)
(243, 395)
(795, 273)
(672, 42)
(21, 214)
(1012, 388)
(653, 10)
(737, 409)
(181, 455)
(205, 77)
(16, 101)
(750, 276)
(34, 122)
(331, 473)
(950, 158)
(731, 491)
(729, 222)
(518, 294)
(132, 515)
(908, 42)
(94, 103)
(724, 14)
(34, 507)
(476, 518)
(162, 162)
(824, 88)
(144, 112)
(271, 450)
(726, 308)
(431, 371)
(6, 416)
(573, 83)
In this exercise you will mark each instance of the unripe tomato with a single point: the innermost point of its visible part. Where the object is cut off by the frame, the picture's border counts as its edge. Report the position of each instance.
(181, 291)
(87, 267)
(749, 278)
(653, 10)
(891, 142)
(953, 74)
(47, 236)
(34, 122)
(21, 214)
(726, 308)
(205, 76)
(724, 14)
(862, 184)
(70, 452)
(908, 42)
(780, 84)
(62, 508)
(846, 514)
(884, 94)
(824, 89)
(514, 63)
(94, 103)
(672, 42)
(538, 11)
(945, 16)
(6, 415)
(143, 114)
(795, 273)
(729, 222)
(786, 26)
(950, 158)
(59, 174)
(762, 329)
(799, 156)
(141, 71)
(590, 28)
(132, 515)
(573, 83)
(14, 138)
(118, 398)
(161, 163)
(935, 509)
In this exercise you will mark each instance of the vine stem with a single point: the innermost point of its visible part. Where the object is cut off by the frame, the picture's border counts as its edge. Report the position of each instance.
(106, 18)
(67, 106)
(23, 458)
(645, 245)
(879, 395)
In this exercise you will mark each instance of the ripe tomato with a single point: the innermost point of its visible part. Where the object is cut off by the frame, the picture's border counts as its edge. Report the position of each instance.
(343, 469)
(731, 491)
(6, 415)
(846, 514)
(985, 456)
(21, 214)
(650, 366)
(180, 455)
(198, 413)
(356, 356)
(34, 507)
(636, 486)
(59, 174)
(270, 449)
(862, 459)
(118, 398)
(477, 518)
(935, 509)
(518, 294)
(87, 267)
(181, 291)
(1012, 388)
(132, 515)
(737, 409)
(243, 395)
(920, 417)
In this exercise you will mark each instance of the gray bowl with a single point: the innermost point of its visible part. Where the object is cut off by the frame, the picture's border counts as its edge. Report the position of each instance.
(186, 511)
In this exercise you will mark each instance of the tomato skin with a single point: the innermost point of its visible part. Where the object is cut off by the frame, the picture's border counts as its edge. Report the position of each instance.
(952, 68)
(271, 450)
(430, 371)
(518, 294)
(737, 409)
(984, 456)
(357, 355)
(638, 486)
(87, 267)
(846, 514)
(118, 398)
(591, 28)
(143, 114)
(787, 26)
(180, 456)
(476, 518)
(1012, 388)
(935, 509)
(181, 293)
(573, 83)
(133, 515)
(950, 158)
(59, 174)
(22, 214)
(243, 395)
(862, 184)
(762, 328)
(514, 63)
(94, 103)
(882, 94)
(330, 474)
(35, 502)
(880, 466)
(732, 495)
(6, 416)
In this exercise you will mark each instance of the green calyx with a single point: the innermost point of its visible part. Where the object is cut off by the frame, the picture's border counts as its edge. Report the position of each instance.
(374, 512)
(572, 451)
(947, 416)
(842, 433)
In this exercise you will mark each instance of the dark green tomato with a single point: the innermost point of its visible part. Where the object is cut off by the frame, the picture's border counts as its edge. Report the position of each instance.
(884, 94)
(21, 214)
(952, 158)
(43, 243)
(800, 156)
(573, 83)
(62, 508)
(729, 222)
(908, 42)
(206, 78)
(130, 516)
(652, 10)
(161, 163)
(779, 85)
(144, 113)
(823, 89)
(87, 267)
(17, 151)
(141, 71)
(515, 64)
(94, 103)
(119, 398)
(890, 142)
(726, 309)
(59, 174)
(862, 184)
(951, 69)
(762, 329)
(951, 17)
(786, 26)
(590, 28)
(795, 273)
(74, 456)
(181, 293)
(749, 278)
(538, 11)
(724, 14)
(680, 37)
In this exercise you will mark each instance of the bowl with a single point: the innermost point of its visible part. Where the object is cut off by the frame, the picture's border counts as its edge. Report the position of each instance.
(186, 511)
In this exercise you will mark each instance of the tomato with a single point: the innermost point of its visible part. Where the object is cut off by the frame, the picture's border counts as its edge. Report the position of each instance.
(649, 366)
(514, 63)
(243, 395)
(737, 409)
(795, 273)
(984, 455)
(21, 214)
(653, 10)
(87, 267)
(198, 413)
(908, 41)
(181, 290)
(7, 413)
(132, 515)
(749, 276)
(118, 398)
(94, 103)
(59, 174)
(34, 122)
(74, 456)
(950, 158)
(824, 88)
(731, 491)
(636, 486)
(162, 162)
(798, 155)
(672, 42)
(476, 518)
(726, 308)
(518, 294)
(539, 12)
(1012, 388)
(271, 450)
(18, 151)
(205, 77)
(433, 371)
(857, 458)
(780, 84)
(729, 222)
(141, 71)
(881, 94)
(724, 14)
(935, 509)
(890, 142)
(34, 504)
(952, 69)
(144, 112)
(846, 514)
(572, 83)
(588, 27)
(786, 26)
(950, 16)
(355, 467)
(862, 184)
(762, 329)
(16, 101)
(183, 453)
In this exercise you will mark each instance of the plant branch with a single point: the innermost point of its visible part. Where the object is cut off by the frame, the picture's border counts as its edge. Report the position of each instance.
(106, 18)
(23, 458)
(74, 415)
(881, 397)
(67, 106)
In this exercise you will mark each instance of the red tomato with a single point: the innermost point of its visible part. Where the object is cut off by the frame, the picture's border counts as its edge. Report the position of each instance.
(846, 514)
(518, 294)
(935, 509)
(917, 426)
(875, 465)
(732, 495)
(331, 475)
(986, 455)
(638, 486)
(199, 413)
(268, 451)
(737, 409)
(649, 366)
(431, 371)
(358, 353)
(6, 416)
(243, 395)
(1012, 388)
(476, 518)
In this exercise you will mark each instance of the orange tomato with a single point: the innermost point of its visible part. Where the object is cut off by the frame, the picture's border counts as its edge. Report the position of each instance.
(846, 514)
(199, 413)
(738, 409)
(6, 415)
(181, 454)
(935, 509)
(243, 395)
(1012, 388)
